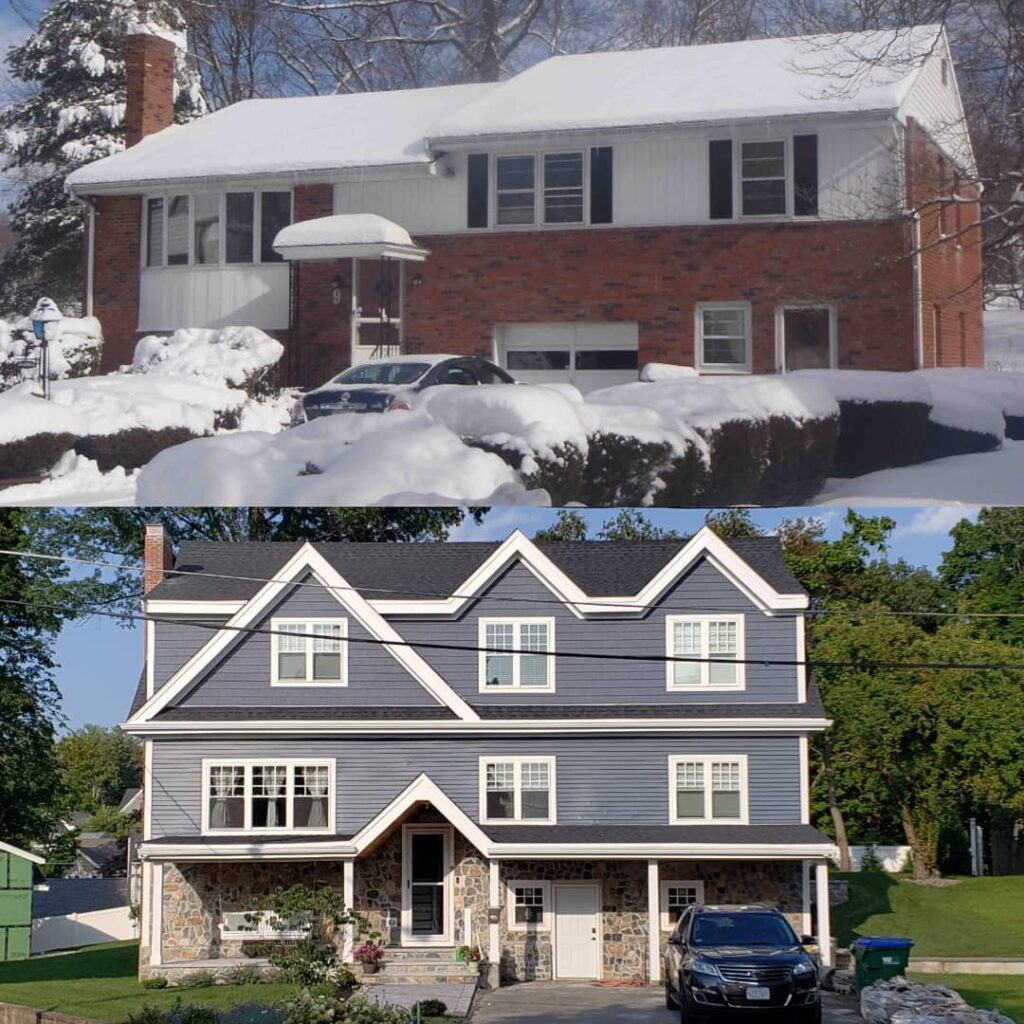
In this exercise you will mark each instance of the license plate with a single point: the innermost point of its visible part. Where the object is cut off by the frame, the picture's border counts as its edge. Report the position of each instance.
(759, 993)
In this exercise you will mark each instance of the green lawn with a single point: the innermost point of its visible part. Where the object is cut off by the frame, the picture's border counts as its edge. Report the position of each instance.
(100, 982)
(976, 917)
(1002, 992)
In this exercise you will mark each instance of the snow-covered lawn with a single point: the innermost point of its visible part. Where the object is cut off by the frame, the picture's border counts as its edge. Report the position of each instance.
(1004, 339)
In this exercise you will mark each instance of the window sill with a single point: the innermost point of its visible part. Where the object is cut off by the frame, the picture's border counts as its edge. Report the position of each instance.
(515, 689)
(713, 370)
(240, 832)
(706, 688)
(518, 821)
(709, 821)
(323, 684)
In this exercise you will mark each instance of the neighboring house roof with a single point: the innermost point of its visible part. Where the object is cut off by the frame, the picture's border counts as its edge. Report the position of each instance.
(98, 848)
(847, 73)
(131, 801)
(62, 896)
(410, 571)
(758, 78)
(17, 851)
(268, 137)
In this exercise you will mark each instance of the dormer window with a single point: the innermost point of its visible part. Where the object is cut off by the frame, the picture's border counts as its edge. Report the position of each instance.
(309, 652)
(715, 645)
(517, 654)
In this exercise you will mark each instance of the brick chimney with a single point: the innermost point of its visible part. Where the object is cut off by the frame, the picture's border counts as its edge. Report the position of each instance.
(149, 60)
(158, 556)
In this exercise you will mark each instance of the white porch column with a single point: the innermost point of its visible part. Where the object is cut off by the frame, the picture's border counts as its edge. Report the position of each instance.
(805, 918)
(653, 922)
(824, 914)
(157, 916)
(146, 907)
(494, 901)
(349, 894)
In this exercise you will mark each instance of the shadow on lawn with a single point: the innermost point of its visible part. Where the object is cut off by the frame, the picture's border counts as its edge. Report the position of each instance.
(869, 896)
(113, 961)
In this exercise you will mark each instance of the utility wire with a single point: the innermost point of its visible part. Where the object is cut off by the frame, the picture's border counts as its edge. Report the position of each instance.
(581, 655)
(428, 595)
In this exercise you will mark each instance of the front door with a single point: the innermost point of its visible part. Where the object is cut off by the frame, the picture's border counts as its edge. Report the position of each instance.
(377, 301)
(807, 337)
(426, 885)
(577, 931)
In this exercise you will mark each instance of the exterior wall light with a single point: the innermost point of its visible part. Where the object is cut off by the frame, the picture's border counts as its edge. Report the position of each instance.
(417, 280)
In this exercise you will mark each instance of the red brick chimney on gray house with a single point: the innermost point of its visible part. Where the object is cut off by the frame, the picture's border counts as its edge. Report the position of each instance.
(149, 61)
(157, 558)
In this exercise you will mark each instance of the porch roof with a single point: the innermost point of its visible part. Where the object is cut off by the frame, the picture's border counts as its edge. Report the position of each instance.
(347, 235)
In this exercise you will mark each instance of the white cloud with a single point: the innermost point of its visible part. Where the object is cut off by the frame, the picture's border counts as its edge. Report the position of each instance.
(935, 520)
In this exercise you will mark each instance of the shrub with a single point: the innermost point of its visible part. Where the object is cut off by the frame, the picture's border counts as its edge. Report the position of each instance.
(562, 475)
(197, 979)
(307, 1008)
(623, 471)
(739, 458)
(244, 974)
(685, 482)
(941, 441)
(130, 448)
(259, 950)
(156, 982)
(469, 953)
(428, 1008)
(31, 456)
(1014, 427)
(800, 456)
(253, 1013)
(871, 862)
(179, 1013)
(879, 435)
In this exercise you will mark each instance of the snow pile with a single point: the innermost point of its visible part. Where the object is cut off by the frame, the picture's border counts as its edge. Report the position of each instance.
(396, 458)
(343, 229)
(155, 28)
(1004, 339)
(75, 480)
(75, 353)
(666, 371)
(231, 355)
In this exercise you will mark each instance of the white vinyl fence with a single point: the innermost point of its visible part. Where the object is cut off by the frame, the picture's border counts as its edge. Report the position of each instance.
(893, 858)
(82, 929)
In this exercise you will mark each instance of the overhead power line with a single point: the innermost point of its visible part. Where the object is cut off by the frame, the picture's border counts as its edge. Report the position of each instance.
(574, 655)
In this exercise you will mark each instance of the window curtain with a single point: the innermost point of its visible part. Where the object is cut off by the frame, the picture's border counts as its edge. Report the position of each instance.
(221, 784)
(275, 782)
(317, 783)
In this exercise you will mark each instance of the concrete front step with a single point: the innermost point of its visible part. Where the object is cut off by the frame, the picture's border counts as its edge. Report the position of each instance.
(421, 966)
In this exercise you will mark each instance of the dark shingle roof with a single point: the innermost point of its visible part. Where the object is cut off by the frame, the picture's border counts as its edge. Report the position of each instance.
(748, 834)
(140, 693)
(296, 713)
(79, 896)
(404, 571)
(716, 710)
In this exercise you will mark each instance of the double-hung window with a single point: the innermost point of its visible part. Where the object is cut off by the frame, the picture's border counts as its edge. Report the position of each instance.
(308, 652)
(517, 789)
(715, 644)
(515, 189)
(708, 789)
(563, 188)
(268, 795)
(722, 340)
(518, 654)
(529, 902)
(763, 178)
(675, 898)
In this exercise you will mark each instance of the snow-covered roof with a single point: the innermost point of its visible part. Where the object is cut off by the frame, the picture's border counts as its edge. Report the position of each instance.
(346, 234)
(692, 84)
(266, 137)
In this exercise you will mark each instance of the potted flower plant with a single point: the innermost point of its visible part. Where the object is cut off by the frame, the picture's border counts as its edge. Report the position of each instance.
(467, 954)
(369, 954)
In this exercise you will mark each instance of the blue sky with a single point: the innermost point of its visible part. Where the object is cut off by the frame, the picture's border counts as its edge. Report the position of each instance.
(101, 661)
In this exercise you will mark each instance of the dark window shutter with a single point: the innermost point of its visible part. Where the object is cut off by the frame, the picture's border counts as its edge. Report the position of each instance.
(477, 190)
(601, 185)
(805, 175)
(720, 176)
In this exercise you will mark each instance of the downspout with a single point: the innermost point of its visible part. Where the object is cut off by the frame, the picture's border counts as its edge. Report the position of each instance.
(918, 291)
(90, 258)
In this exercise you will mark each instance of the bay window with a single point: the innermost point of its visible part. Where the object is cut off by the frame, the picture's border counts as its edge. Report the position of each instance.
(268, 796)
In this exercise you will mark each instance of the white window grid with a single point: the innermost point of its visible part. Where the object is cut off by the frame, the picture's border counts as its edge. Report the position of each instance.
(540, 190)
(784, 177)
(254, 925)
(167, 199)
(708, 366)
(706, 637)
(266, 778)
(532, 894)
(309, 637)
(518, 775)
(719, 773)
(523, 639)
(675, 896)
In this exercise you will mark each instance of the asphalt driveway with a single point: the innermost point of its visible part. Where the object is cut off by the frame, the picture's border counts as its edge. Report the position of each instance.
(554, 1002)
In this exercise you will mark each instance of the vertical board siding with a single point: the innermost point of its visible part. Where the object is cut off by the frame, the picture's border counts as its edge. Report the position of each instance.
(600, 780)
(582, 681)
(242, 676)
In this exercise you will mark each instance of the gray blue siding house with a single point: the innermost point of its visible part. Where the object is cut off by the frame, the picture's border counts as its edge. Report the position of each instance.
(542, 750)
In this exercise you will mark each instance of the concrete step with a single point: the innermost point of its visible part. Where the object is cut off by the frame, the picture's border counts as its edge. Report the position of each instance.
(398, 954)
(414, 967)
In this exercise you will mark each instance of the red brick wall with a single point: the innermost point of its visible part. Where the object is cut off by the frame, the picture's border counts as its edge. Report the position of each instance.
(116, 276)
(150, 66)
(950, 257)
(655, 276)
(157, 557)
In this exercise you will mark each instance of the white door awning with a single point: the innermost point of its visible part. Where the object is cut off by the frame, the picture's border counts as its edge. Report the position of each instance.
(347, 235)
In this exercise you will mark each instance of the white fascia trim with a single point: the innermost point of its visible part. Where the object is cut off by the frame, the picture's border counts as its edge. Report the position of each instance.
(423, 789)
(801, 657)
(246, 851)
(306, 559)
(794, 726)
(16, 851)
(647, 851)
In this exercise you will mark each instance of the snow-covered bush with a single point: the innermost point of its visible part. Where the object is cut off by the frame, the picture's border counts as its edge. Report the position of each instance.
(76, 353)
(240, 357)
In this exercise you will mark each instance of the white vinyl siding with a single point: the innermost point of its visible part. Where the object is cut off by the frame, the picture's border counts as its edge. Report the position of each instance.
(268, 795)
(722, 337)
(676, 897)
(517, 654)
(717, 645)
(517, 789)
(710, 789)
(308, 652)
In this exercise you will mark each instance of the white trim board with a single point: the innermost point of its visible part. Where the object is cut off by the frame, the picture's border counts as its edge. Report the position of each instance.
(306, 560)
(16, 851)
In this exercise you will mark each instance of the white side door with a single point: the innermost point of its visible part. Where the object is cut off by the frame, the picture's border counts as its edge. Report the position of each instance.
(577, 930)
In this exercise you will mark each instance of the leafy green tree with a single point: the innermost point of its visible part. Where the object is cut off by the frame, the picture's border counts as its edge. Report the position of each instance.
(733, 522)
(569, 525)
(110, 820)
(98, 765)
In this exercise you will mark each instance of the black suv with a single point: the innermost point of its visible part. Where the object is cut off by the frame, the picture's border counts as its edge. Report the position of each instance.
(739, 961)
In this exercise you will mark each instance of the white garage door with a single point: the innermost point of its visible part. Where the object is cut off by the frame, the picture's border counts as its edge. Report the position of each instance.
(588, 355)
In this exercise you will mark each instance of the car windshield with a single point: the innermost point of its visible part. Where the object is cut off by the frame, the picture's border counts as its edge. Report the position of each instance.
(382, 373)
(744, 929)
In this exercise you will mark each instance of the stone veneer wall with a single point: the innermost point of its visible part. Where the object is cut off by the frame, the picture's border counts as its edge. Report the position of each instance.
(528, 956)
